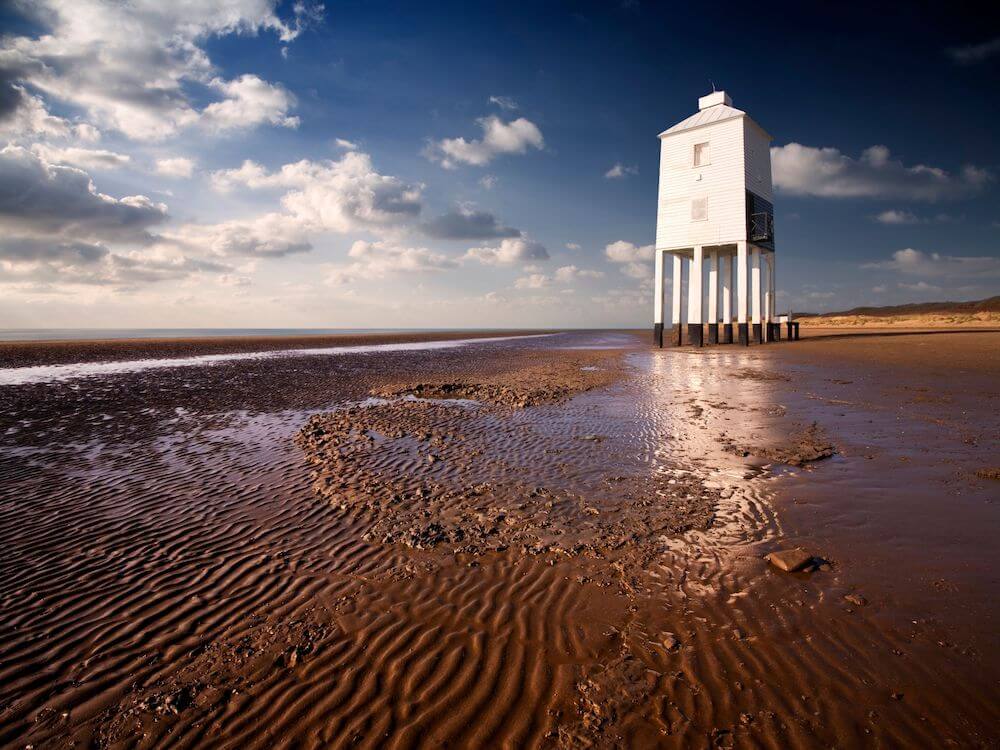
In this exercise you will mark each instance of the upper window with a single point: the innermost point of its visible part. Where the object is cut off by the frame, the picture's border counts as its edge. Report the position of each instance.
(699, 209)
(702, 155)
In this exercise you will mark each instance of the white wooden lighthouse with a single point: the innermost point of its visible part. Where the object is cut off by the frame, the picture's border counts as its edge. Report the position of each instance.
(715, 206)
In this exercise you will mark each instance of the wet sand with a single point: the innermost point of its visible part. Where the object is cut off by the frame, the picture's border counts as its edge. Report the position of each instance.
(28, 353)
(552, 542)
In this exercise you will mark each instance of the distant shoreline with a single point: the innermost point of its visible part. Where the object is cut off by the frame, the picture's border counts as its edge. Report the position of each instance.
(50, 352)
(125, 334)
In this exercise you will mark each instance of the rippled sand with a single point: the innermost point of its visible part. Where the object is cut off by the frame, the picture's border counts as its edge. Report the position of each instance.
(170, 573)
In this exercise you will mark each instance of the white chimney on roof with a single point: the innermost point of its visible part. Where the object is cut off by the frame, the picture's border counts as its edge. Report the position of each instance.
(713, 99)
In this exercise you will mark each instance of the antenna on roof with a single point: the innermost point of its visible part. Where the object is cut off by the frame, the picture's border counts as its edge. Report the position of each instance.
(713, 85)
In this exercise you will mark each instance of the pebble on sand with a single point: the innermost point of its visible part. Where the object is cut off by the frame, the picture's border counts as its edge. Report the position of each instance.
(789, 560)
(856, 599)
(670, 642)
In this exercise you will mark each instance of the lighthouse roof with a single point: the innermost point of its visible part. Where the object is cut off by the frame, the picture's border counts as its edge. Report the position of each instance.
(714, 107)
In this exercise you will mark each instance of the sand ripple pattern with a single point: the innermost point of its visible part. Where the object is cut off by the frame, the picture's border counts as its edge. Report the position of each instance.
(168, 576)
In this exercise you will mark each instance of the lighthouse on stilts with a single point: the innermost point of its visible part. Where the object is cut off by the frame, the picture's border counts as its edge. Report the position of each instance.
(714, 209)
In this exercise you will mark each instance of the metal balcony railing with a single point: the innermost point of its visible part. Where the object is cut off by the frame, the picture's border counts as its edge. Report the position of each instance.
(761, 227)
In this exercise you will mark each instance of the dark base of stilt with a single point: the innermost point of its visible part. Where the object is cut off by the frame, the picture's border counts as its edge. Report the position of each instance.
(788, 330)
(776, 329)
(758, 333)
(744, 333)
(658, 334)
(727, 333)
(695, 334)
(713, 333)
(796, 325)
(675, 335)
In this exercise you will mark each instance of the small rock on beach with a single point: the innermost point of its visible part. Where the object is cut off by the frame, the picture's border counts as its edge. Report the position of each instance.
(789, 560)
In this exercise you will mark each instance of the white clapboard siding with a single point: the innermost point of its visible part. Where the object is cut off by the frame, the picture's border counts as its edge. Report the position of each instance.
(739, 160)
(758, 159)
(720, 182)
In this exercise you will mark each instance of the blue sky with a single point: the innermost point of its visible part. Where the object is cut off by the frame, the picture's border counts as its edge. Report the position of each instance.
(453, 164)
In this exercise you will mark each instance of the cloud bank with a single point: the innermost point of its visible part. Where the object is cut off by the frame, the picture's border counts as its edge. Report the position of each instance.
(828, 173)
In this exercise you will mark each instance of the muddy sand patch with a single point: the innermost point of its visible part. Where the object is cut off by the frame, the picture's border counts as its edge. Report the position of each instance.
(801, 448)
(475, 477)
(460, 478)
(528, 386)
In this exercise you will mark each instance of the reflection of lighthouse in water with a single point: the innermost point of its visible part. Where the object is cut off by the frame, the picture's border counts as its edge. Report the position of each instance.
(715, 205)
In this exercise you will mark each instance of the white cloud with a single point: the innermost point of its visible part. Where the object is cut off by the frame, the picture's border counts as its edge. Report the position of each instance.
(249, 101)
(22, 114)
(638, 271)
(969, 54)
(488, 182)
(375, 260)
(895, 216)
(572, 246)
(568, 274)
(634, 259)
(337, 196)
(826, 172)
(917, 263)
(533, 281)
(271, 235)
(514, 137)
(504, 102)
(345, 144)
(134, 66)
(177, 166)
(69, 262)
(880, 289)
(510, 251)
(85, 158)
(619, 171)
(626, 252)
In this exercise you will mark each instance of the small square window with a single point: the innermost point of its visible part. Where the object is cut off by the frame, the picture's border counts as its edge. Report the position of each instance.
(702, 155)
(699, 209)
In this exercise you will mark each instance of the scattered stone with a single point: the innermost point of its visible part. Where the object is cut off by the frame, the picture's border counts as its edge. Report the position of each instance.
(738, 634)
(670, 641)
(746, 719)
(790, 560)
(897, 696)
(856, 599)
(593, 438)
(988, 473)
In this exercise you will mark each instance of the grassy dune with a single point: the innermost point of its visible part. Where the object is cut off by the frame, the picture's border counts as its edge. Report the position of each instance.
(977, 314)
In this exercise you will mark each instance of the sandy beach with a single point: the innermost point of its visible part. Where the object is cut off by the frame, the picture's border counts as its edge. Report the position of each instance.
(545, 541)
